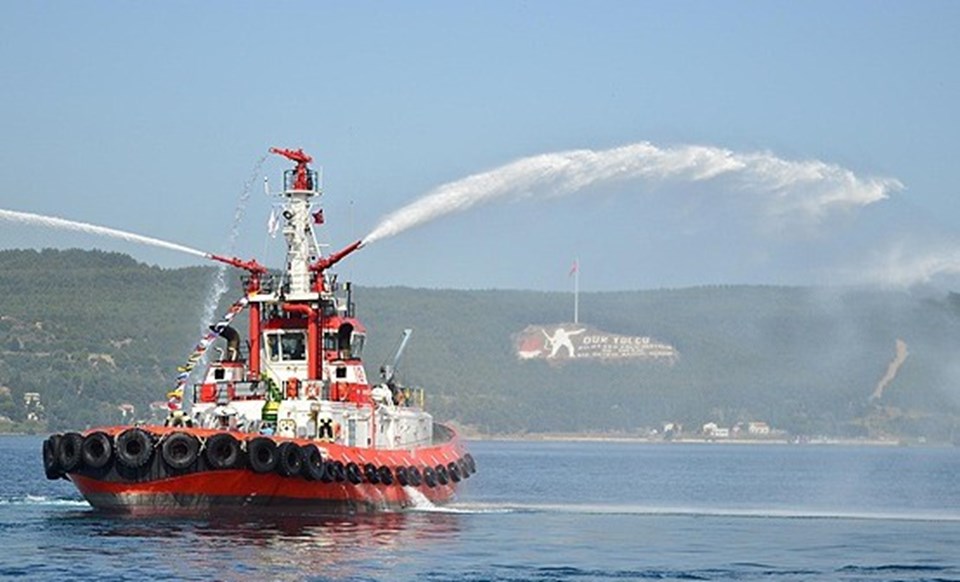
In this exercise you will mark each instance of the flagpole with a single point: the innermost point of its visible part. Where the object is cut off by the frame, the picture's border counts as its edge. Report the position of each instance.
(576, 291)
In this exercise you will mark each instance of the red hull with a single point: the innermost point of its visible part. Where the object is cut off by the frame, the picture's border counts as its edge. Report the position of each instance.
(156, 487)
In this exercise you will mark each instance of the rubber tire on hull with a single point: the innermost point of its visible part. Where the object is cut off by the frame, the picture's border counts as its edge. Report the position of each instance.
(413, 474)
(134, 448)
(402, 477)
(471, 464)
(386, 475)
(339, 472)
(328, 471)
(442, 477)
(51, 462)
(464, 469)
(289, 459)
(222, 451)
(354, 474)
(370, 472)
(313, 466)
(430, 476)
(180, 450)
(97, 450)
(262, 455)
(69, 454)
(453, 470)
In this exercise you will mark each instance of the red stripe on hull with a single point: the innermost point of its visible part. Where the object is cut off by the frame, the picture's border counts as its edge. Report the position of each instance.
(242, 489)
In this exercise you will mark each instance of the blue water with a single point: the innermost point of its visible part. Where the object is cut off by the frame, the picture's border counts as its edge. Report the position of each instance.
(540, 511)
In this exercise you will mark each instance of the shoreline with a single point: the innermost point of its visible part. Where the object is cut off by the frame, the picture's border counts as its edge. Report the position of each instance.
(601, 438)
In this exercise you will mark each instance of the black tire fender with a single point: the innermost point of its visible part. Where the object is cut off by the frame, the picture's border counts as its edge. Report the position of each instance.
(413, 474)
(430, 476)
(222, 451)
(69, 454)
(354, 474)
(134, 447)
(180, 450)
(453, 470)
(51, 461)
(442, 477)
(97, 450)
(313, 465)
(370, 472)
(386, 475)
(403, 478)
(289, 459)
(262, 454)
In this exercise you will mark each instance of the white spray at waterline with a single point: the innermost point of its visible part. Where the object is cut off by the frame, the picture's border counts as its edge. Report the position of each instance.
(418, 500)
(810, 188)
(63, 224)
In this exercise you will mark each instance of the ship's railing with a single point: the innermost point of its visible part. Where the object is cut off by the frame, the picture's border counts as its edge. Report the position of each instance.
(290, 180)
(211, 392)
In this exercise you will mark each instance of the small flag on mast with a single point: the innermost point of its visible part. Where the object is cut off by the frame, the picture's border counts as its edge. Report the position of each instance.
(575, 268)
(273, 223)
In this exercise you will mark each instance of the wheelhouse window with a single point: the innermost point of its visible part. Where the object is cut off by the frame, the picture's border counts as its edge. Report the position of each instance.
(357, 345)
(287, 346)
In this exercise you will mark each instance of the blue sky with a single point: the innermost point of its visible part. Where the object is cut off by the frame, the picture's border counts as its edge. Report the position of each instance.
(149, 117)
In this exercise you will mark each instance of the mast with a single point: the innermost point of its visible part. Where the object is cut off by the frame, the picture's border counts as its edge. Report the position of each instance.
(575, 271)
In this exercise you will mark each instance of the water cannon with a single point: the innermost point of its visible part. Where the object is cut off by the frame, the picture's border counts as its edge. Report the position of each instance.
(251, 266)
(389, 371)
(325, 263)
(301, 180)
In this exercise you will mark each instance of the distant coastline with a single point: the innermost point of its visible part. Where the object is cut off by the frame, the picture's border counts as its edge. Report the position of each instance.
(613, 438)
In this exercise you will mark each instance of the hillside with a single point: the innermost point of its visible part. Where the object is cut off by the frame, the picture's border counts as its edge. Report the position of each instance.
(89, 331)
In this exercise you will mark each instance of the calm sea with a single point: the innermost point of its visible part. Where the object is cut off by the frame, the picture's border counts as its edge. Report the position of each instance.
(540, 511)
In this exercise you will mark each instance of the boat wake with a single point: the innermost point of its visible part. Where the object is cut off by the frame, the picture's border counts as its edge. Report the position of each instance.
(43, 500)
(749, 513)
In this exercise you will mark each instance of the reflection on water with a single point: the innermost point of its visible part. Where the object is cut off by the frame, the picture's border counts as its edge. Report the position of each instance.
(335, 546)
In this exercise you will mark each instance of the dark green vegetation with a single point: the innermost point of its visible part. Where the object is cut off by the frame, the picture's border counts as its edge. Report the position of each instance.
(89, 331)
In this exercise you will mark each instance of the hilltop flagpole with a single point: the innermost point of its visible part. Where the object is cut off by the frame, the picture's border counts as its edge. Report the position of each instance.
(575, 271)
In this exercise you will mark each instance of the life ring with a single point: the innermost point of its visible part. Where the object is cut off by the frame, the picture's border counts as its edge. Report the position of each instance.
(222, 451)
(386, 475)
(51, 462)
(442, 477)
(97, 450)
(453, 470)
(262, 454)
(402, 477)
(370, 472)
(430, 476)
(68, 452)
(134, 448)
(354, 475)
(312, 390)
(313, 465)
(289, 459)
(180, 450)
(413, 475)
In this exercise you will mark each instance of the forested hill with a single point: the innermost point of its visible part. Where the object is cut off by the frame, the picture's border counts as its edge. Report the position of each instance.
(90, 331)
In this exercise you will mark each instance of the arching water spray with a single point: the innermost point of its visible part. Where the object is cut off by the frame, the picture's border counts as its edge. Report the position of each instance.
(219, 286)
(63, 224)
(812, 188)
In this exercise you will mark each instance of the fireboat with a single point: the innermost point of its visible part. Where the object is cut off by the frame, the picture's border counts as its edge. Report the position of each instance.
(286, 422)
